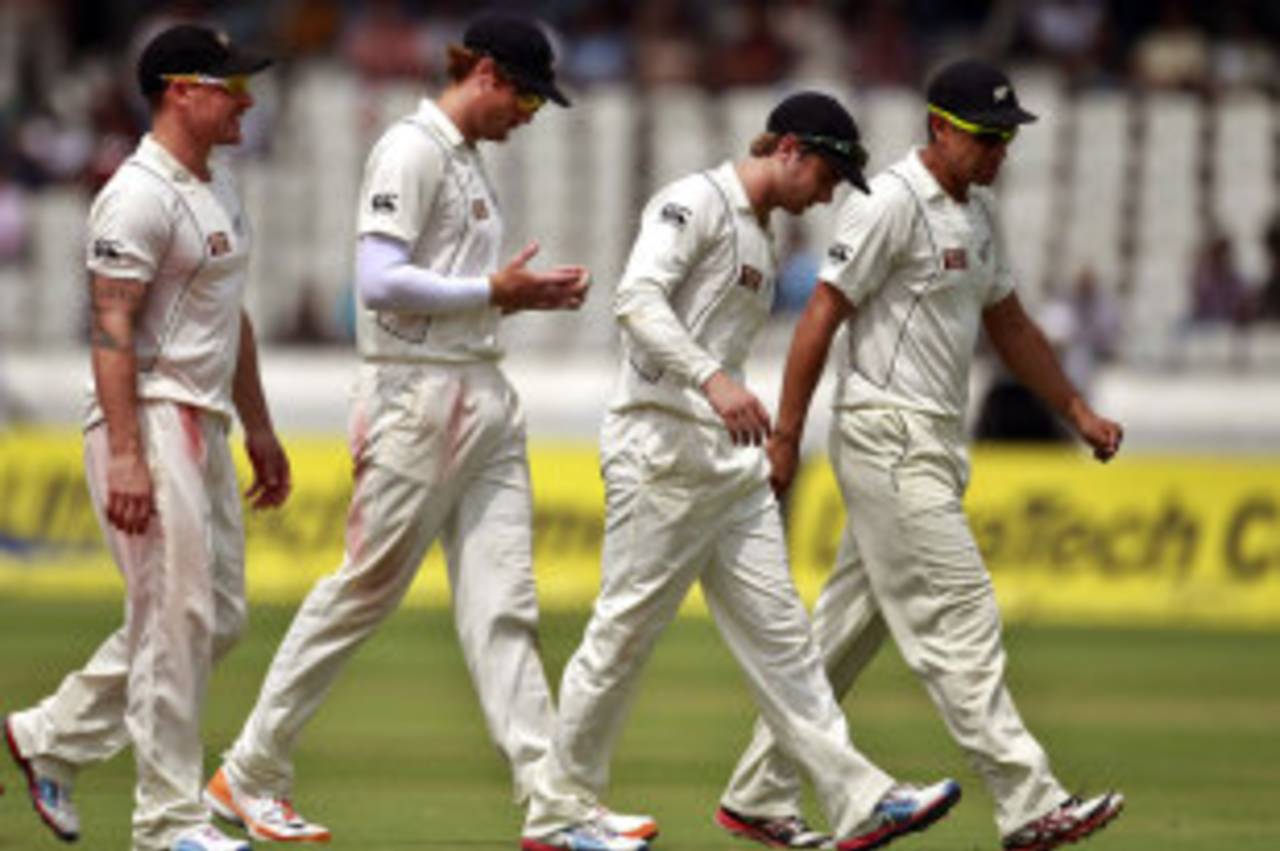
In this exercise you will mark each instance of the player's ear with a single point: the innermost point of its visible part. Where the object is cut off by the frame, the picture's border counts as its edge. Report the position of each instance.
(487, 73)
(790, 148)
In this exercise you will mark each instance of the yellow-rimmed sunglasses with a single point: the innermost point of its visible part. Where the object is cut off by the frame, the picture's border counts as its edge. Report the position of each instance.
(237, 85)
(529, 102)
(986, 135)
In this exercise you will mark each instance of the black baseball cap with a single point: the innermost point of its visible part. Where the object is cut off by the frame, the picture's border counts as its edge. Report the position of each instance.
(193, 49)
(977, 94)
(825, 127)
(521, 50)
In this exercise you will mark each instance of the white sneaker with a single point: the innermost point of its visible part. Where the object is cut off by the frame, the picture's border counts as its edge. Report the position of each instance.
(206, 837)
(776, 832)
(635, 826)
(1071, 821)
(50, 797)
(905, 809)
(270, 819)
(588, 836)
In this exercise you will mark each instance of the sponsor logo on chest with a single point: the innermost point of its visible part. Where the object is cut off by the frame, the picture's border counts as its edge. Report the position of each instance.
(751, 278)
(479, 209)
(955, 259)
(219, 243)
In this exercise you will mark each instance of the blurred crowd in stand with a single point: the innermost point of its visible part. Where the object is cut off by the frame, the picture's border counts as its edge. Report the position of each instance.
(69, 112)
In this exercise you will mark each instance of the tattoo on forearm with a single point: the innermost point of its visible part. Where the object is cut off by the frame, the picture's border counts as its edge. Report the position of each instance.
(110, 298)
(107, 294)
(102, 338)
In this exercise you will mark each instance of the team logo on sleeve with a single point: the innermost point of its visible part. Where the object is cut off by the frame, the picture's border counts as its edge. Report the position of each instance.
(384, 202)
(110, 250)
(751, 278)
(955, 258)
(219, 243)
(839, 252)
(479, 209)
(674, 214)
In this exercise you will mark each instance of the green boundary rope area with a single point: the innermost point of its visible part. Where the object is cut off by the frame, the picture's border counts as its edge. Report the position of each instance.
(1147, 540)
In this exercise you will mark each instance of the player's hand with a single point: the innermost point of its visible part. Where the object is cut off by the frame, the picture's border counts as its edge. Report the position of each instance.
(743, 414)
(130, 494)
(272, 482)
(784, 460)
(1102, 434)
(516, 287)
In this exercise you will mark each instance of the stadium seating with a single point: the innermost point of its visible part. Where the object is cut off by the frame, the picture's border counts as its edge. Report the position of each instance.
(1122, 182)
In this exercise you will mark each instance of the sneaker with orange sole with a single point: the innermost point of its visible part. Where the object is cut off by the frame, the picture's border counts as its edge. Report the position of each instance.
(266, 818)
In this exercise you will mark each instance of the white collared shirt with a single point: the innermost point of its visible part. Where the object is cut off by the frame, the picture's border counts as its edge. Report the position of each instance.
(188, 240)
(426, 186)
(703, 257)
(920, 268)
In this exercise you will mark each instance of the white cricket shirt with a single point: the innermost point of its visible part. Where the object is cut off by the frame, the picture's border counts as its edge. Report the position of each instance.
(188, 240)
(426, 186)
(920, 267)
(703, 256)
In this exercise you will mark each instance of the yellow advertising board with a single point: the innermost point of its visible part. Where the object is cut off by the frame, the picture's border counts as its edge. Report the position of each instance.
(1144, 540)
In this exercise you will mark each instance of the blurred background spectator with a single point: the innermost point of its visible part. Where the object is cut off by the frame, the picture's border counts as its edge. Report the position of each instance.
(1219, 292)
(798, 273)
(1180, 85)
(1073, 34)
(1175, 52)
(1085, 324)
(1268, 309)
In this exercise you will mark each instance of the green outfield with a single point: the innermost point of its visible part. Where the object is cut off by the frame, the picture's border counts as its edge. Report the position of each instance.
(1188, 723)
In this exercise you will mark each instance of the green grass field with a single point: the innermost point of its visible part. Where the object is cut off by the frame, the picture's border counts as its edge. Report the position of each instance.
(1187, 723)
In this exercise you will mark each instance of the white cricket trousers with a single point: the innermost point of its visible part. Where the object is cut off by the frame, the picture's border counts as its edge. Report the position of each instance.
(685, 505)
(439, 452)
(184, 608)
(908, 566)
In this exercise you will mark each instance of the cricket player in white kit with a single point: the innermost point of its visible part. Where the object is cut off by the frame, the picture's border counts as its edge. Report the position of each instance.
(174, 359)
(688, 497)
(914, 270)
(437, 433)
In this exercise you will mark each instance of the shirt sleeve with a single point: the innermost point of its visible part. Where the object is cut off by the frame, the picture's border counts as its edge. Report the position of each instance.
(401, 179)
(129, 232)
(387, 280)
(870, 232)
(674, 229)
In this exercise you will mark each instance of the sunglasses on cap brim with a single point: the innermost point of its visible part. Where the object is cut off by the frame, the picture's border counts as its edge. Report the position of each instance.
(527, 100)
(236, 85)
(985, 135)
(846, 149)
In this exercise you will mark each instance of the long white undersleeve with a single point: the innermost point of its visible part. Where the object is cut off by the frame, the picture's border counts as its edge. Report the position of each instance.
(645, 315)
(386, 280)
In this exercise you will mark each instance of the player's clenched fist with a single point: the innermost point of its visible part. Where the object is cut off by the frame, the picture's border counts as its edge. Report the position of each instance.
(272, 481)
(743, 414)
(1102, 434)
(516, 287)
(130, 494)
